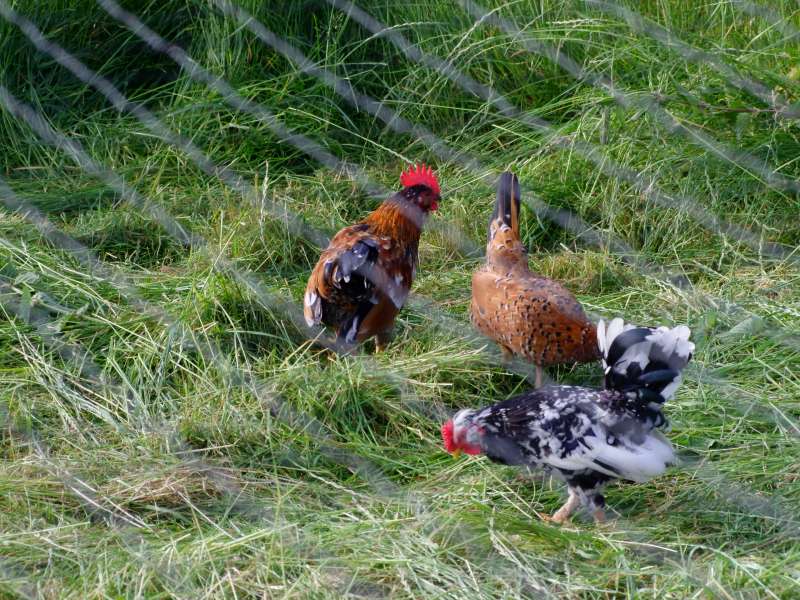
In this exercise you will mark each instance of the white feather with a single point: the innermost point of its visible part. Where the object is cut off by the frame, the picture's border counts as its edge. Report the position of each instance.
(683, 347)
(673, 341)
(614, 329)
(669, 389)
(639, 462)
(313, 312)
(609, 334)
(310, 298)
(601, 338)
(635, 354)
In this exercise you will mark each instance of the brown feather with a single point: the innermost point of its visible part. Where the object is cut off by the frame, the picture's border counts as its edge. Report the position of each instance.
(528, 314)
(393, 230)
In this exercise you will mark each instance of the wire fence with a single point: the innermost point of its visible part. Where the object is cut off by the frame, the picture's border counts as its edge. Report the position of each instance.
(277, 407)
(213, 354)
(779, 105)
(235, 182)
(648, 103)
(563, 218)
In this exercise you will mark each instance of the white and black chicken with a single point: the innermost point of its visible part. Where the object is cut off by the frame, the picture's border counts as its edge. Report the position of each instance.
(588, 437)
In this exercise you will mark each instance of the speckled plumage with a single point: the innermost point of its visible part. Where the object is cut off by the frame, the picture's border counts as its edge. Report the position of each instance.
(588, 437)
(527, 314)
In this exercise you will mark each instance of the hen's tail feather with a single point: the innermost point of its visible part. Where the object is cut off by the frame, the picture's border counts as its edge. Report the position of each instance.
(506, 207)
(645, 360)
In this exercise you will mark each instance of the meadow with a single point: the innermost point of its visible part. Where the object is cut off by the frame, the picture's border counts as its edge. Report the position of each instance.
(170, 430)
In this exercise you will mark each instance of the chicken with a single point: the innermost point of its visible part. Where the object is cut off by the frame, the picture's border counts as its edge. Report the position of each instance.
(363, 277)
(588, 437)
(527, 314)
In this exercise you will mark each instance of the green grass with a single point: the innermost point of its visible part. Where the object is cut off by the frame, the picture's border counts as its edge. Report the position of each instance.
(269, 511)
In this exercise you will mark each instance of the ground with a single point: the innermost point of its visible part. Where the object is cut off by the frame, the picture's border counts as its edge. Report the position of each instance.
(181, 437)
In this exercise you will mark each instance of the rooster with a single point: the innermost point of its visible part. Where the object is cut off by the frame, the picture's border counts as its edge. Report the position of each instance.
(588, 437)
(363, 277)
(527, 314)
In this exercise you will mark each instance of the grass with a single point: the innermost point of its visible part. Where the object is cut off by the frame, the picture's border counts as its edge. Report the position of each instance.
(228, 499)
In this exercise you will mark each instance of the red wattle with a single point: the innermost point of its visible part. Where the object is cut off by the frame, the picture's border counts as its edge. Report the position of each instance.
(447, 437)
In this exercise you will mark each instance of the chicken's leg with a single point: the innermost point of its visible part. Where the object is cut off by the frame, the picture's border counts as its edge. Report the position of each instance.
(563, 513)
(382, 341)
(538, 382)
(598, 503)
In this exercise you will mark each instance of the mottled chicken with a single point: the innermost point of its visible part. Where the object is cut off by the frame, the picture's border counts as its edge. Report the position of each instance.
(527, 314)
(588, 437)
(363, 277)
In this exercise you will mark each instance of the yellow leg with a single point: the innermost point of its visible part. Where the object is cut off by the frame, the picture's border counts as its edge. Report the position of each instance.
(564, 513)
(382, 341)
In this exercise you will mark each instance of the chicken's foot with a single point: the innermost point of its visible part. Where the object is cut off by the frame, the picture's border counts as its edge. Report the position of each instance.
(564, 513)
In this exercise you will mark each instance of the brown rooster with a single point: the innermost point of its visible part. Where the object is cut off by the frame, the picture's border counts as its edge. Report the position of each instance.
(527, 314)
(363, 277)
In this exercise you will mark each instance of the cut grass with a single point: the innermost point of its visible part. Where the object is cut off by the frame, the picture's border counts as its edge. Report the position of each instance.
(721, 527)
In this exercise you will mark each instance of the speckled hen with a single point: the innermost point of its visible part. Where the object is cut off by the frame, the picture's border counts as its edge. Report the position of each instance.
(363, 277)
(525, 313)
(588, 437)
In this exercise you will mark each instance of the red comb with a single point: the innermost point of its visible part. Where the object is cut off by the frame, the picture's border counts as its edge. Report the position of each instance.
(447, 436)
(420, 175)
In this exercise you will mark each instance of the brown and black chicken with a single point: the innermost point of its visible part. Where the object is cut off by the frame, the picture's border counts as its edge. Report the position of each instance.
(363, 277)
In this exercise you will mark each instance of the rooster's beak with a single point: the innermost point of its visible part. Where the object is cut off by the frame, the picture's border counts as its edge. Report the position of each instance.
(456, 453)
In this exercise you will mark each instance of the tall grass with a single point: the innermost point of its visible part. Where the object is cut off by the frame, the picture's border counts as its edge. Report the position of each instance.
(724, 526)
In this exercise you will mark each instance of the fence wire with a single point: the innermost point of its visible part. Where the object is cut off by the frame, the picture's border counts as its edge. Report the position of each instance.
(240, 502)
(779, 105)
(274, 404)
(790, 32)
(645, 184)
(648, 103)
(213, 354)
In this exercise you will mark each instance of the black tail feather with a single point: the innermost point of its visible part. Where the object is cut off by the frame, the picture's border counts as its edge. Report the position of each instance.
(644, 360)
(506, 207)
